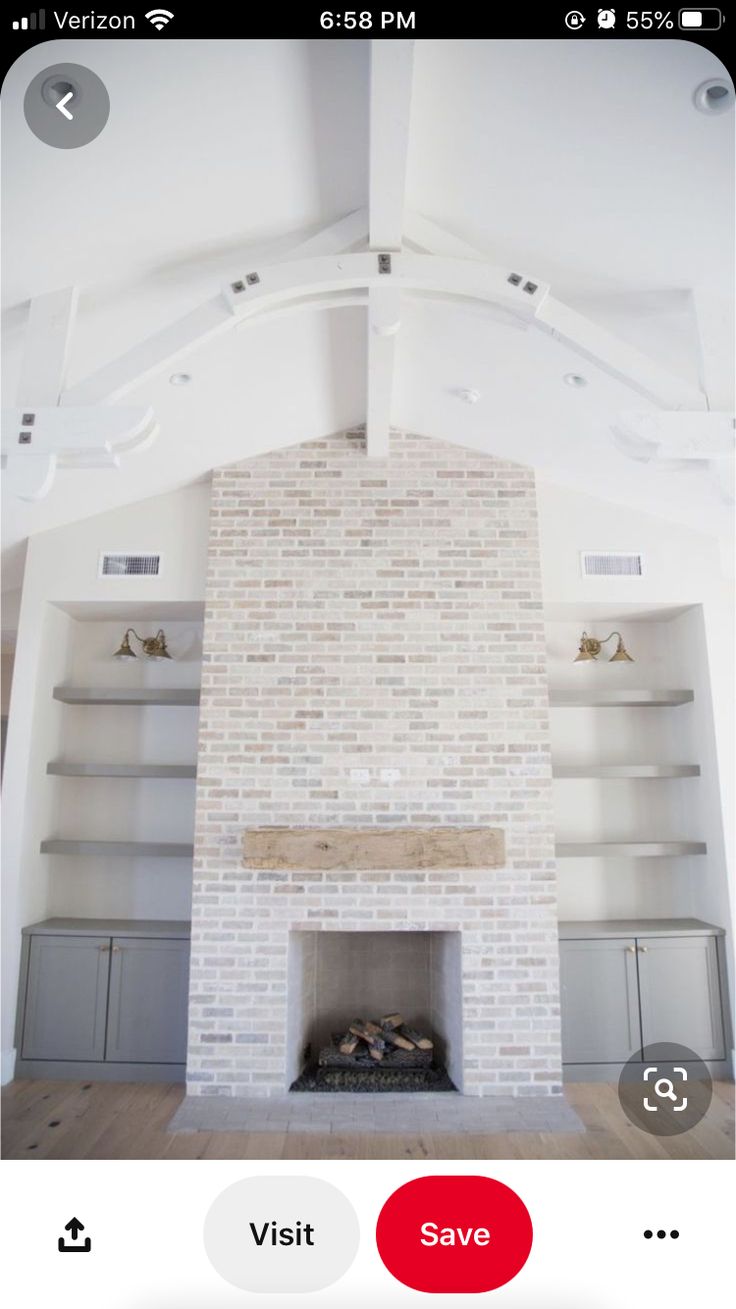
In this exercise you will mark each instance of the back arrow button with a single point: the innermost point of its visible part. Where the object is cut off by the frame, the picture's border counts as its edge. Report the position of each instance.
(61, 106)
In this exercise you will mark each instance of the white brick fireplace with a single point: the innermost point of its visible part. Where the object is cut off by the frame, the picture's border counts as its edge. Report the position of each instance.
(374, 655)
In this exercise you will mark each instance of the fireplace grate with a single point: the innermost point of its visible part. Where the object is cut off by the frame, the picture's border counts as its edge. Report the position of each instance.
(359, 1079)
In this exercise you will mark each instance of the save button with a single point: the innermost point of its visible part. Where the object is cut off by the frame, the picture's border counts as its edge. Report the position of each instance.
(454, 1234)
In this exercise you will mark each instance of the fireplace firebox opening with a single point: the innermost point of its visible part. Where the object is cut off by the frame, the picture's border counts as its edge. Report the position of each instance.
(368, 981)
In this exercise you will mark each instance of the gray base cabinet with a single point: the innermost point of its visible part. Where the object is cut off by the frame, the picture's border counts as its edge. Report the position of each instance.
(147, 1012)
(679, 993)
(113, 999)
(654, 983)
(66, 1001)
(599, 1001)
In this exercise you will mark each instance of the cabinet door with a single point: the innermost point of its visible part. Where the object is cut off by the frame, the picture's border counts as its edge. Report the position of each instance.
(680, 993)
(149, 995)
(599, 1001)
(66, 997)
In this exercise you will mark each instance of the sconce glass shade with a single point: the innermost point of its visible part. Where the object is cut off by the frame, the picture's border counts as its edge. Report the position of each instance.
(125, 651)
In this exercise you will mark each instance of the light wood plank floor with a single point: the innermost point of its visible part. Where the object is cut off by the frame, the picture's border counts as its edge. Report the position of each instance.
(108, 1120)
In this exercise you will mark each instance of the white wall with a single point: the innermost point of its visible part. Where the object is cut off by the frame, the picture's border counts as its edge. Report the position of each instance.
(62, 570)
(7, 659)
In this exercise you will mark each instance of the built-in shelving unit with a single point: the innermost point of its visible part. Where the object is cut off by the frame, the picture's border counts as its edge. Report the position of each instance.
(159, 697)
(158, 849)
(628, 849)
(60, 768)
(116, 835)
(618, 699)
(80, 695)
(629, 788)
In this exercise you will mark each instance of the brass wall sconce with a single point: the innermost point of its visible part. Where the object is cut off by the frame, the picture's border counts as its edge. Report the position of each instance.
(590, 648)
(153, 646)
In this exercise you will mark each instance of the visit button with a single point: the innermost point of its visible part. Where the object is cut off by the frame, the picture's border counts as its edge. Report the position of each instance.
(454, 1234)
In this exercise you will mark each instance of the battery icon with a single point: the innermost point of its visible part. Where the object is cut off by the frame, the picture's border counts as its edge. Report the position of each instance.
(700, 20)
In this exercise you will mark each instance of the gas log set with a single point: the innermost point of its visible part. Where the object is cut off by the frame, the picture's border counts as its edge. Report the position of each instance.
(381, 1054)
(387, 1041)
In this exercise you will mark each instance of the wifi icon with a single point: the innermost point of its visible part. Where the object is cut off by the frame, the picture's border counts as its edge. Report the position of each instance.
(159, 17)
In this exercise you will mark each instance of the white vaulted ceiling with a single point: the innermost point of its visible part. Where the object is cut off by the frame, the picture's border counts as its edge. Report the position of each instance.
(583, 164)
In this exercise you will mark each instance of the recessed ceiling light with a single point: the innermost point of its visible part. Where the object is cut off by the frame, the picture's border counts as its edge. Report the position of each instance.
(468, 394)
(180, 379)
(714, 96)
(574, 379)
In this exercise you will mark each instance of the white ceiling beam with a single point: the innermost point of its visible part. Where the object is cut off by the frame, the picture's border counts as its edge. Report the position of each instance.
(390, 112)
(462, 278)
(616, 357)
(687, 437)
(384, 317)
(436, 240)
(390, 108)
(714, 319)
(157, 352)
(38, 441)
(332, 240)
(602, 347)
(166, 348)
(681, 441)
(46, 348)
(290, 282)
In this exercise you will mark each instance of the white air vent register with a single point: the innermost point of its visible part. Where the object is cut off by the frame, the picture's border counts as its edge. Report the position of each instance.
(599, 563)
(129, 565)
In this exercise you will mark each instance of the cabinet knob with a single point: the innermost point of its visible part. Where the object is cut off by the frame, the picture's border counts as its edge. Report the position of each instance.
(103, 949)
(643, 949)
(631, 949)
(116, 949)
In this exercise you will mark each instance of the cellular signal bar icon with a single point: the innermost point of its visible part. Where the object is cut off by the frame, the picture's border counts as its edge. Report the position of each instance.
(35, 22)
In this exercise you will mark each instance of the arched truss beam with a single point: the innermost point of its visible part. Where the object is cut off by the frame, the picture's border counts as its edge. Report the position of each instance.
(327, 279)
(84, 425)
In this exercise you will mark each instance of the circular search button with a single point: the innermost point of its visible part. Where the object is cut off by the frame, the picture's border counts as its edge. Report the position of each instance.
(665, 1089)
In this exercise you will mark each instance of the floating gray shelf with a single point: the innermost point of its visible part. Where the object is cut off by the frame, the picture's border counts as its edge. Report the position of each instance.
(626, 770)
(159, 849)
(59, 768)
(177, 695)
(615, 699)
(635, 849)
